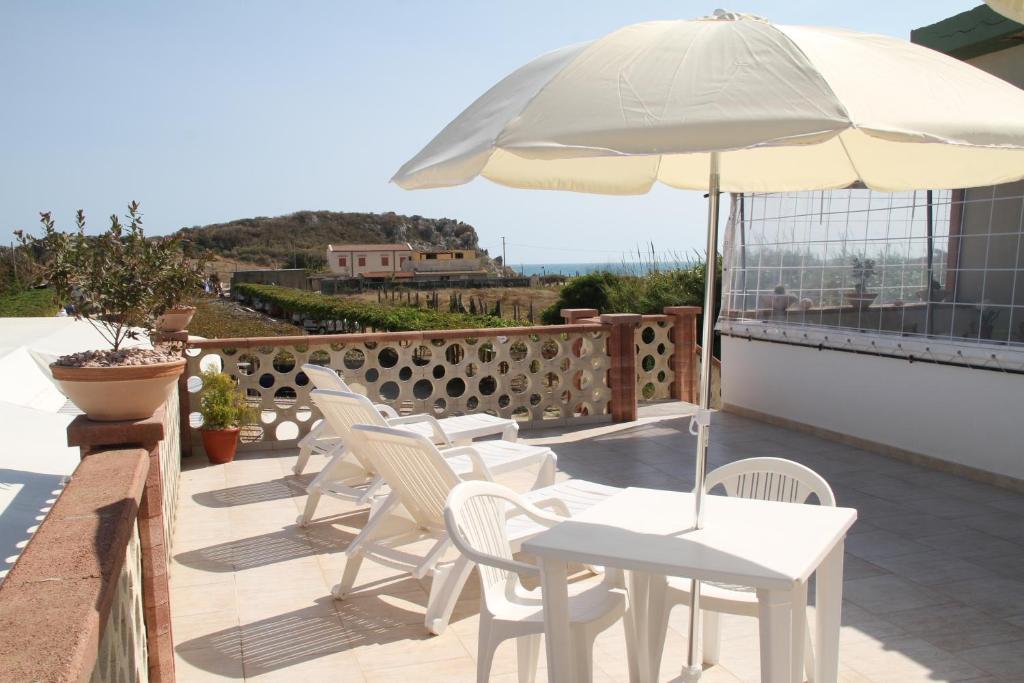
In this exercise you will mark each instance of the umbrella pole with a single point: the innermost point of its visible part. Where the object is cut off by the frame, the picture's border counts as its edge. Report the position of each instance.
(703, 416)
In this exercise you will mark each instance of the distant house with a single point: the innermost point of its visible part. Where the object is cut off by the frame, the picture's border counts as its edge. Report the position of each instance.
(449, 261)
(368, 260)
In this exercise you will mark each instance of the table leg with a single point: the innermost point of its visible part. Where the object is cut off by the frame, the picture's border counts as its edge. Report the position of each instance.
(636, 618)
(828, 609)
(557, 640)
(798, 621)
(775, 612)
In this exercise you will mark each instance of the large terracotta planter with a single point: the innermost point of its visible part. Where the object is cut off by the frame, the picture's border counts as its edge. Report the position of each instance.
(175, 319)
(128, 392)
(220, 444)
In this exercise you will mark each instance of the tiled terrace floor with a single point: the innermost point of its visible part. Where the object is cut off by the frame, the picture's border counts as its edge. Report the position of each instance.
(934, 571)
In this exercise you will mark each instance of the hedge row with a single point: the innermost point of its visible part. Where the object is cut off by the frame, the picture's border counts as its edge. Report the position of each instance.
(382, 317)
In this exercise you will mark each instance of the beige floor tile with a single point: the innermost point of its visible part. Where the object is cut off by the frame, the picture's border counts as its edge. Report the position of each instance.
(207, 666)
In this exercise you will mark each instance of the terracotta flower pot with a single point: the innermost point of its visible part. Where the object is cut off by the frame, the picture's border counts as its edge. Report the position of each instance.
(175, 319)
(127, 392)
(220, 444)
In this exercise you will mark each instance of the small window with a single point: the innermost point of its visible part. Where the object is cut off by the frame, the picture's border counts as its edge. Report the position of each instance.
(342, 261)
(432, 256)
(362, 261)
(384, 261)
(401, 260)
(458, 254)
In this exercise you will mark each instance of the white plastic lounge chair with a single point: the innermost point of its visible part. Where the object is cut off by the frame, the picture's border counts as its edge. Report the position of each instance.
(761, 479)
(348, 476)
(475, 517)
(421, 476)
(321, 440)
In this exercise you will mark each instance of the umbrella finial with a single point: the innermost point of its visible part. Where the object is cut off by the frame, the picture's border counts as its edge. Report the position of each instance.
(729, 15)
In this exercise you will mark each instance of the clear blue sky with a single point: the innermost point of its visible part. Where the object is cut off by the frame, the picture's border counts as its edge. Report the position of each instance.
(209, 111)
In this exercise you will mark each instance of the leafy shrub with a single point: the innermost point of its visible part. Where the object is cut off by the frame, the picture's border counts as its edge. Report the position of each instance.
(378, 316)
(222, 404)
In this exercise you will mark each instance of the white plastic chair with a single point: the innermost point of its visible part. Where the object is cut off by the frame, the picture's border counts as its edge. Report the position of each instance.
(773, 479)
(475, 517)
(321, 440)
(342, 410)
(420, 477)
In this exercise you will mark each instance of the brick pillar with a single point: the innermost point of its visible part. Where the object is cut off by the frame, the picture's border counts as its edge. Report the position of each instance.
(622, 374)
(90, 436)
(572, 315)
(684, 355)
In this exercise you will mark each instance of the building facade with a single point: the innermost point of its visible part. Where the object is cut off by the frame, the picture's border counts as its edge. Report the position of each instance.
(368, 260)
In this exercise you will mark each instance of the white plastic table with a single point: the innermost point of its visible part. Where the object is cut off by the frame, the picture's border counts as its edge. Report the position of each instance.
(772, 547)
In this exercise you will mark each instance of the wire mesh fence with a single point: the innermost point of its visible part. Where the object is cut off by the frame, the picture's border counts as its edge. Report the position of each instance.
(943, 263)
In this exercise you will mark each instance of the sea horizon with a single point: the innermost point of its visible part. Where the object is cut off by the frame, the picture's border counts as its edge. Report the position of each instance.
(583, 268)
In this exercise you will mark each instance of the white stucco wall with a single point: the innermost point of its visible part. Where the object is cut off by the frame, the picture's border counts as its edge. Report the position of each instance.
(965, 416)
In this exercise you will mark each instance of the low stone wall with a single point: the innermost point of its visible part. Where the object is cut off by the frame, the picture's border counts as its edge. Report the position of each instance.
(88, 599)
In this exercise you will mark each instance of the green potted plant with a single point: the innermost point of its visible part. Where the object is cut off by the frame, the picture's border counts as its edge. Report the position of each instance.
(112, 281)
(863, 270)
(182, 278)
(224, 410)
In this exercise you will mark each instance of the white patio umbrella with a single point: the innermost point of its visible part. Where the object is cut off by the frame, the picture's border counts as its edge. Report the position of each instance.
(732, 103)
(1012, 9)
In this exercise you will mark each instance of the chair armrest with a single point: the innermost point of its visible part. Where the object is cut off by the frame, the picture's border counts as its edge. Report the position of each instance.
(386, 411)
(439, 436)
(557, 504)
(480, 470)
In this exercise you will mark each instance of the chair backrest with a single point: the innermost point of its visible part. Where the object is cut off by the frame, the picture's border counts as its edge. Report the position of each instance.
(324, 378)
(412, 466)
(771, 479)
(475, 516)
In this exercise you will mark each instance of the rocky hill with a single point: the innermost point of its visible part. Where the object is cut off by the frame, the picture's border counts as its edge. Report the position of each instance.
(300, 239)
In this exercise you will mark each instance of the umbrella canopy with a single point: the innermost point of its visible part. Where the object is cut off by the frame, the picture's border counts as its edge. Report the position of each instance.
(787, 107)
(1012, 9)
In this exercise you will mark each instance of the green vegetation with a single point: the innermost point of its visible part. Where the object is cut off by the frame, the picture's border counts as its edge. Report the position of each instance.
(32, 303)
(300, 240)
(222, 404)
(224, 319)
(380, 317)
(646, 294)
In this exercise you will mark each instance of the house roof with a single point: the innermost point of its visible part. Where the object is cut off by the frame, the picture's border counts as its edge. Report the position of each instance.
(369, 247)
(970, 34)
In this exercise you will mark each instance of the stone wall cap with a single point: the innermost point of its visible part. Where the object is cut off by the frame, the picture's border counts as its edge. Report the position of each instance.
(681, 310)
(85, 433)
(621, 318)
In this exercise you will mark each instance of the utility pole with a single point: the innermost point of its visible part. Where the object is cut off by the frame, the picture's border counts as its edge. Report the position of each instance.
(504, 259)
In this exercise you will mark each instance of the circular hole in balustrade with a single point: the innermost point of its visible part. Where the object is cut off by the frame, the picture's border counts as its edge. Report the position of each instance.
(647, 335)
(268, 416)
(421, 355)
(454, 354)
(551, 413)
(534, 399)
(303, 413)
(472, 369)
(266, 380)
(456, 387)
(195, 420)
(248, 364)
(535, 366)
(404, 343)
(648, 390)
(486, 352)
(437, 342)
(521, 414)
(301, 348)
(228, 351)
(422, 389)
(389, 391)
(661, 349)
(194, 384)
(582, 380)
(581, 410)
(518, 350)
(321, 358)
(488, 385)
(503, 368)
(285, 397)
(550, 381)
(564, 364)
(470, 340)
(283, 362)
(566, 396)
(372, 375)
(549, 349)
(192, 353)
(354, 359)
(405, 374)
(438, 371)
(265, 350)
(211, 362)
(661, 376)
(647, 363)
(337, 346)
(371, 345)
(519, 384)
(301, 379)
(387, 357)
(533, 337)
(286, 430)
(472, 403)
(250, 434)
(504, 400)
(439, 405)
